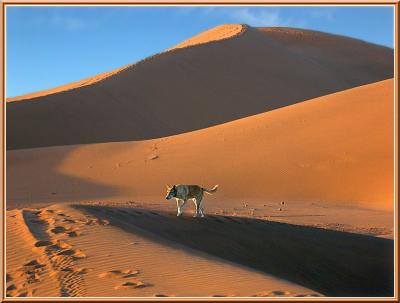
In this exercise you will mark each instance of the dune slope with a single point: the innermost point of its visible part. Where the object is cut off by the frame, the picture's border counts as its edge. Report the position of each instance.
(153, 253)
(195, 87)
(103, 260)
(333, 149)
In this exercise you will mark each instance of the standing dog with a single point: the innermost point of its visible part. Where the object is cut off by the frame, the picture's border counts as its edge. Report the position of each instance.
(187, 192)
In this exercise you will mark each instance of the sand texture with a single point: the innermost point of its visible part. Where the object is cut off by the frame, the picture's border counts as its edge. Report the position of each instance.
(121, 250)
(197, 87)
(335, 149)
(296, 128)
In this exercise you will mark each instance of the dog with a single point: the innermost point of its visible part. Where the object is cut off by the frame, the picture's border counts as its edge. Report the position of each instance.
(187, 192)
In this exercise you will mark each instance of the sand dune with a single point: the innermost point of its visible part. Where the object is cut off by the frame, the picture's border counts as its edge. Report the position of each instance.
(104, 260)
(62, 88)
(221, 32)
(195, 87)
(153, 253)
(305, 200)
(336, 149)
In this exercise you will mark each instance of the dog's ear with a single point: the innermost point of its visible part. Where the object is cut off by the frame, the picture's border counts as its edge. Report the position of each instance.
(168, 187)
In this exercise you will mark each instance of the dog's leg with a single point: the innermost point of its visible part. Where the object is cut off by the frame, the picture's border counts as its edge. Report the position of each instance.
(178, 205)
(202, 210)
(183, 206)
(199, 200)
(197, 203)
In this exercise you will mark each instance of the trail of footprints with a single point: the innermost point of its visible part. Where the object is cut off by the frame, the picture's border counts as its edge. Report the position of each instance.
(51, 229)
(20, 281)
(128, 277)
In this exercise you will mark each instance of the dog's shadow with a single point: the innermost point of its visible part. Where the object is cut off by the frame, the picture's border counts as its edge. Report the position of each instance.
(331, 262)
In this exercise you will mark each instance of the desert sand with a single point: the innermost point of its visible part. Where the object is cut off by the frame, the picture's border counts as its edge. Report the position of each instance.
(197, 87)
(315, 188)
(305, 173)
(335, 149)
(221, 32)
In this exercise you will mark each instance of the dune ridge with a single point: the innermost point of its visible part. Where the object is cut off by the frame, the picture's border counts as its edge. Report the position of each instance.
(73, 85)
(295, 126)
(221, 32)
(323, 151)
(204, 85)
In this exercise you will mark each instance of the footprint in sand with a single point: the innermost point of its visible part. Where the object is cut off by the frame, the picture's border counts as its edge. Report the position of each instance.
(57, 246)
(11, 287)
(73, 233)
(30, 271)
(136, 283)
(36, 221)
(79, 270)
(274, 293)
(62, 230)
(43, 243)
(307, 295)
(19, 293)
(58, 230)
(95, 221)
(75, 253)
(8, 278)
(34, 264)
(126, 273)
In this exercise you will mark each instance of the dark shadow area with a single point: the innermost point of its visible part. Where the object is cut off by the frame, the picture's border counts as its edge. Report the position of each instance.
(331, 262)
(34, 179)
(198, 87)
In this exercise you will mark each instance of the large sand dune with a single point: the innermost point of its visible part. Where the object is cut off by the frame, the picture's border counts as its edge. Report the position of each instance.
(100, 259)
(334, 149)
(247, 72)
(123, 251)
(305, 199)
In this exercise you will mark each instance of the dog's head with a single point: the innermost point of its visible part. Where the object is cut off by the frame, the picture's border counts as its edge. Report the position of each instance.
(171, 192)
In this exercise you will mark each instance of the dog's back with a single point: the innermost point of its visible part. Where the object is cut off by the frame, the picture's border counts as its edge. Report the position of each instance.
(189, 191)
(193, 191)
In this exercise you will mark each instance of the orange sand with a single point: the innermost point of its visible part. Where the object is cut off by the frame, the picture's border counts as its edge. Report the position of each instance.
(305, 188)
(197, 87)
(334, 149)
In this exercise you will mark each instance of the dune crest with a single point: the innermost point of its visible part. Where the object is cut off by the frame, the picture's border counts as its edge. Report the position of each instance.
(66, 87)
(214, 83)
(333, 149)
(220, 32)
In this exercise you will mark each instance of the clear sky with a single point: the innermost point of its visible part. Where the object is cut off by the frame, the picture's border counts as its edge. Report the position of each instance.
(47, 46)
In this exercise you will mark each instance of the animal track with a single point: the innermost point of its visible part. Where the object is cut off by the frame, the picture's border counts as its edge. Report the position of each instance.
(132, 284)
(26, 276)
(57, 254)
(43, 243)
(281, 293)
(76, 254)
(127, 273)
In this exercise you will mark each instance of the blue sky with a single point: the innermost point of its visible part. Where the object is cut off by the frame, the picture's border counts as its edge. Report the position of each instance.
(49, 46)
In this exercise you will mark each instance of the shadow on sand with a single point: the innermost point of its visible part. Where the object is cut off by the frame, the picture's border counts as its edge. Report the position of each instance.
(331, 262)
(34, 178)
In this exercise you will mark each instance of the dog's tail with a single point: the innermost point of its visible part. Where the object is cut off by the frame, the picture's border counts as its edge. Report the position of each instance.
(211, 191)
